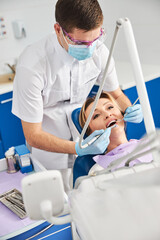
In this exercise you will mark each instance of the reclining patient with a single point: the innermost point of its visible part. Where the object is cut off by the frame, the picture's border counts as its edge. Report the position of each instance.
(107, 114)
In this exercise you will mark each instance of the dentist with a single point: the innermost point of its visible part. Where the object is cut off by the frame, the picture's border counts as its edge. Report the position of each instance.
(55, 75)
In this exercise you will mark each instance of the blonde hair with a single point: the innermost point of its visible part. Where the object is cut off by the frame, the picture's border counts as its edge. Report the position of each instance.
(82, 117)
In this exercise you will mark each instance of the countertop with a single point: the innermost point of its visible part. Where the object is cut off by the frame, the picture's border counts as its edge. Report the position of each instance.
(124, 72)
(6, 83)
(8, 182)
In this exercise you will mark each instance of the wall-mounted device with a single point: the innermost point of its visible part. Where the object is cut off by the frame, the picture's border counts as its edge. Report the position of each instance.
(19, 29)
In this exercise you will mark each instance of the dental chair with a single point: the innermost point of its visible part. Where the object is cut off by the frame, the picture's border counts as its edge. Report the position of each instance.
(82, 164)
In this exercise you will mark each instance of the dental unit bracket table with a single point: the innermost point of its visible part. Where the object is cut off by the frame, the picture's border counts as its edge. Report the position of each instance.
(12, 227)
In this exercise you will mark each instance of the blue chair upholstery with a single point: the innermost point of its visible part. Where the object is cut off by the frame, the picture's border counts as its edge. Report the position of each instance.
(82, 164)
(75, 119)
(76, 112)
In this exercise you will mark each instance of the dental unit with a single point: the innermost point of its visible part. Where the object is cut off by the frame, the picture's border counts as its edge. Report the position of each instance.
(121, 204)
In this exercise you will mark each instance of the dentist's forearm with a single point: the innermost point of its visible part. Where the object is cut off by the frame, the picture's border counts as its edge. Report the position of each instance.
(123, 102)
(121, 98)
(36, 137)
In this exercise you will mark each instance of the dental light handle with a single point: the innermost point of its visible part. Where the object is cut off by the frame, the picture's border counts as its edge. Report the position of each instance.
(99, 92)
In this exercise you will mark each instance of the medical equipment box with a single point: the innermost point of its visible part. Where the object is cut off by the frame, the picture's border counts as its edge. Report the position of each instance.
(24, 158)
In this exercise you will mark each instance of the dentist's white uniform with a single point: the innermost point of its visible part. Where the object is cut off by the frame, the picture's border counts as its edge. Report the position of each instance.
(50, 84)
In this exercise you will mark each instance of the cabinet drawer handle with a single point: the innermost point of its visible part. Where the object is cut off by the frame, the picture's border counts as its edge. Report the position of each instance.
(7, 100)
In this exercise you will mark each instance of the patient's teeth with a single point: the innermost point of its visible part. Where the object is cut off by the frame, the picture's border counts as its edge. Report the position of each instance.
(112, 122)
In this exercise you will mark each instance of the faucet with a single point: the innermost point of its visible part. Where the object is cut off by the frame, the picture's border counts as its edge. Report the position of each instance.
(12, 67)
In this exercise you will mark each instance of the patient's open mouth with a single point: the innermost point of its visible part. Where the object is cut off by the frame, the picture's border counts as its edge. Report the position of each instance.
(110, 124)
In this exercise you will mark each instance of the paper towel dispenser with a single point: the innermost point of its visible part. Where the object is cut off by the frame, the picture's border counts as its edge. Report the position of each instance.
(19, 29)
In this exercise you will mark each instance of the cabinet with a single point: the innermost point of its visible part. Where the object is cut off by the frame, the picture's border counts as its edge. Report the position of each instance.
(59, 232)
(153, 89)
(11, 133)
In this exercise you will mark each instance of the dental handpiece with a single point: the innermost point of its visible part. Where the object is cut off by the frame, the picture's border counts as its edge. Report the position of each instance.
(95, 138)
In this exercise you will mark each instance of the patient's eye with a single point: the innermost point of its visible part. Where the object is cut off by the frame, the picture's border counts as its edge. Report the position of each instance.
(95, 116)
(110, 107)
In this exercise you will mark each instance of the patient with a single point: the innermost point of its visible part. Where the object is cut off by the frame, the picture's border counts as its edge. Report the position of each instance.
(107, 114)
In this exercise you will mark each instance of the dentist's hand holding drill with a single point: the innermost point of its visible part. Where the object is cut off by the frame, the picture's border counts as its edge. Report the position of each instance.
(98, 146)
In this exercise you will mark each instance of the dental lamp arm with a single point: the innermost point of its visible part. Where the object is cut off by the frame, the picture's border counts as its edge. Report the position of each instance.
(137, 70)
(140, 83)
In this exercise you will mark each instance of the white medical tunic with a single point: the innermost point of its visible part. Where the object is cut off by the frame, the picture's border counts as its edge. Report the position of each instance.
(50, 84)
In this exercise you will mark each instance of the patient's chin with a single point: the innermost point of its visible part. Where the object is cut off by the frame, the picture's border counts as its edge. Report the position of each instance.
(118, 129)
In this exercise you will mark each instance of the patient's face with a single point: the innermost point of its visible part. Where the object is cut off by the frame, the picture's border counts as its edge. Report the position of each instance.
(105, 115)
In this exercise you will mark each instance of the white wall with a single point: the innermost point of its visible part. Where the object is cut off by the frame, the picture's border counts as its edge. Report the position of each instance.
(38, 16)
(145, 19)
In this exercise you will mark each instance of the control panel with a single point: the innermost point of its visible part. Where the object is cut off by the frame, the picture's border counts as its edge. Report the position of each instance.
(3, 30)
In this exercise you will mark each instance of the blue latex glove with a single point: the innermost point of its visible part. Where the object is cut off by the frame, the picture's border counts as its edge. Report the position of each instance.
(98, 146)
(133, 114)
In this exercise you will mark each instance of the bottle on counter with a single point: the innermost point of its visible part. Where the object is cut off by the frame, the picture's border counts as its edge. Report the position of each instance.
(11, 161)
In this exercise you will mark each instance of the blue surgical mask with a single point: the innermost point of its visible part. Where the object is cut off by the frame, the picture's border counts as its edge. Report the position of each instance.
(81, 52)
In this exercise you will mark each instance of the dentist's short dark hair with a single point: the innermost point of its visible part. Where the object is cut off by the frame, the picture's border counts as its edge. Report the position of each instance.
(81, 14)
